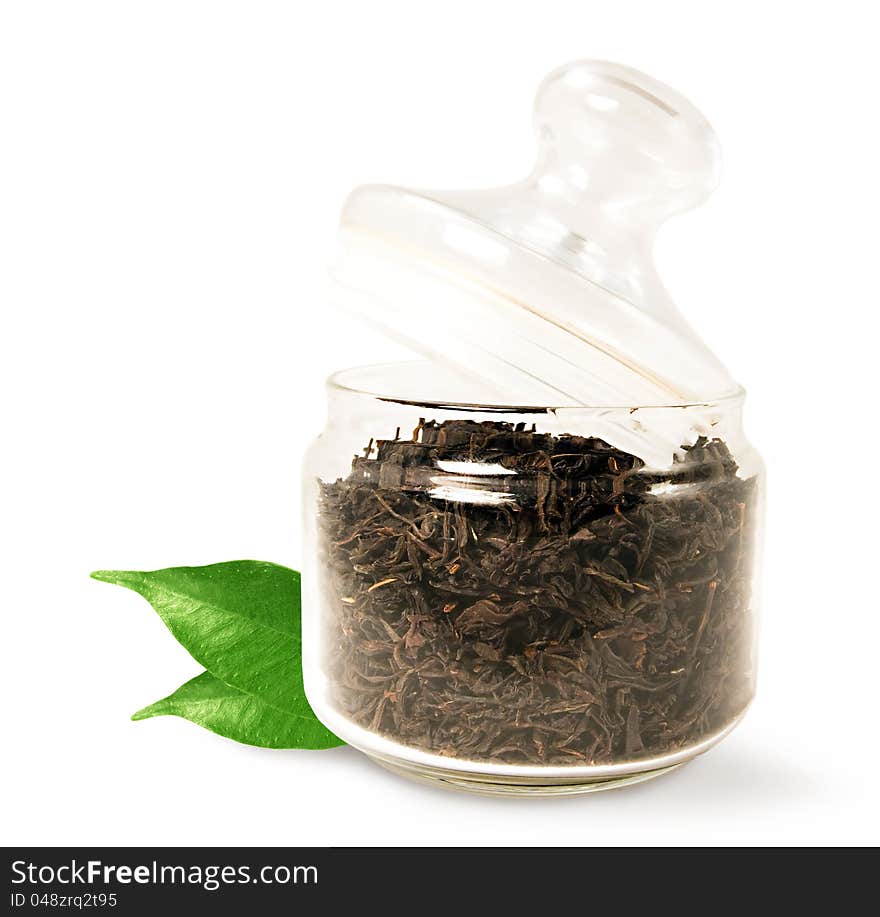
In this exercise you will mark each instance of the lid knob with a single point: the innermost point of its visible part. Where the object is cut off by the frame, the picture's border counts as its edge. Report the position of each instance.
(615, 138)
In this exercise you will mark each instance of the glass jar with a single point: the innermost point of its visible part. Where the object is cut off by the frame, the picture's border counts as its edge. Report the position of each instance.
(499, 600)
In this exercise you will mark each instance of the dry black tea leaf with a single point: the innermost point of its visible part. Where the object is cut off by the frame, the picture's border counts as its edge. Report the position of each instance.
(502, 594)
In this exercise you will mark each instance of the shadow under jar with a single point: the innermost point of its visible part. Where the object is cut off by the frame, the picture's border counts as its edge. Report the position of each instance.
(500, 600)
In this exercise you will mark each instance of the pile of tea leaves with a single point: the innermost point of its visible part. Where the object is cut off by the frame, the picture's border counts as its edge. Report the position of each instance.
(560, 606)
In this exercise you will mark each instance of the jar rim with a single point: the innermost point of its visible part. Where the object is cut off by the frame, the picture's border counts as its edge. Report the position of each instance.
(365, 380)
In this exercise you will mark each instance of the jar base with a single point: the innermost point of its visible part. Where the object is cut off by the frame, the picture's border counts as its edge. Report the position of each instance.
(510, 780)
(489, 785)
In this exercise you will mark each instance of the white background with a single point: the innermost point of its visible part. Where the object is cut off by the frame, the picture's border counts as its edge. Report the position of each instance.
(170, 179)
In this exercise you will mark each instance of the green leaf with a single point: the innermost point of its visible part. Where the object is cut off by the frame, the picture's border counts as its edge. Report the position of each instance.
(208, 702)
(240, 620)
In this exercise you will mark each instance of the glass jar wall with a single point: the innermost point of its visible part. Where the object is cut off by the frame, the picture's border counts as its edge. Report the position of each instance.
(501, 599)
